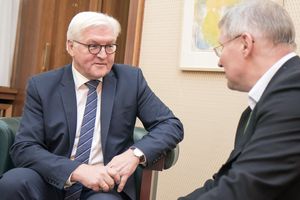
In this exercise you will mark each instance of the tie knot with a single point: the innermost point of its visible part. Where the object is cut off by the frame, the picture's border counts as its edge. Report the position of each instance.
(92, 84)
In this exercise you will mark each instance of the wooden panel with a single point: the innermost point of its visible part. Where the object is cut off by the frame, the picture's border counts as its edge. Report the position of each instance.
(5, 110)
(119, 10)
(7, 98)
(7, 94)
(35, 28)
(59, 55)
(41, 39)
(134, 32)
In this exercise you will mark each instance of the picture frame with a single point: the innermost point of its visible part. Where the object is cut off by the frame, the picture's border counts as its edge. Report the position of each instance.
(193, 59)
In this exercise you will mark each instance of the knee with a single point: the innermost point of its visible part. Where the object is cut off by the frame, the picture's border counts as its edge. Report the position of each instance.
(17, 180)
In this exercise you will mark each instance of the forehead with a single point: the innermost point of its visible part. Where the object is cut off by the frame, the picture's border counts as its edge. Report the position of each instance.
(102, 33)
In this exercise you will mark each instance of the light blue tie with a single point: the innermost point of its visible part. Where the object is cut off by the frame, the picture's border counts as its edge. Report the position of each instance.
(86, 135)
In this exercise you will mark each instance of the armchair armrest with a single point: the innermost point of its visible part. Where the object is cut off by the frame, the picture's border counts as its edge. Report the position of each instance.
(167, 161)
(146, 178)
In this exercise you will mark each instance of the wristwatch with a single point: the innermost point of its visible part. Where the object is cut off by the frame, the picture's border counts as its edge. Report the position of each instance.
(138, 153)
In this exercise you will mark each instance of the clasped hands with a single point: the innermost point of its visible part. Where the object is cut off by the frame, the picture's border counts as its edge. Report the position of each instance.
(104, 178)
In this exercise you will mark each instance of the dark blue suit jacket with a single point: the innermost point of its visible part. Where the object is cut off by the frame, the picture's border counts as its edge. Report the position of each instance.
(265, 162)
(46, 135)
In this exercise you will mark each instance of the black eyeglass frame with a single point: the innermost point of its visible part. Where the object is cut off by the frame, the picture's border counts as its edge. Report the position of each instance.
(95, 49)
(218, 49)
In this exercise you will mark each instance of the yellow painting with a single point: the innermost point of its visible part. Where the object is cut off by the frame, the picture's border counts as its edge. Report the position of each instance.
(200, 33)
(207, 14)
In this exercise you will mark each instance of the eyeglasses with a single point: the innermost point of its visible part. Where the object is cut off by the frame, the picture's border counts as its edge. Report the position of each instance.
(218, 50)
(96, 48)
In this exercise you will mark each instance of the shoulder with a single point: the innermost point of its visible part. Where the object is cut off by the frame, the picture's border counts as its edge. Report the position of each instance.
(53, 76)
(283, 91)
(122, 68)
(125, 71)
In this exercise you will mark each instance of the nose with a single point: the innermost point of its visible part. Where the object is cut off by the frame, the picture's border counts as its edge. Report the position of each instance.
(102, 53)
(220, 65)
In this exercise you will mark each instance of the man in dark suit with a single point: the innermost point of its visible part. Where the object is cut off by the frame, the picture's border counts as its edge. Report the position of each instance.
(257, 44)
(55, 121)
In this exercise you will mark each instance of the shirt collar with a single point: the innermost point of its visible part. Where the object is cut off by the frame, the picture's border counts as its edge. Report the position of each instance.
(79, 79)
(258, 89)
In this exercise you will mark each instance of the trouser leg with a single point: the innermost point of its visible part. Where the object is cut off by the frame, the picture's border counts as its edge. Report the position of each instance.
(24, 184)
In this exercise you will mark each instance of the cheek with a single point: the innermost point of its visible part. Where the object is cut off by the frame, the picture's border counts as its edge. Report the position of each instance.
(111, 58)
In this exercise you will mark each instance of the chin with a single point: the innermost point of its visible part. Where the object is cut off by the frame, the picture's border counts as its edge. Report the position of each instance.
(231, 86)
(101, 74)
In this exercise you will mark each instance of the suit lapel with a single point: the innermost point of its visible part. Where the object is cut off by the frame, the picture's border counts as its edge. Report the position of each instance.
(107, 101)
(244, 132)
(68, 97)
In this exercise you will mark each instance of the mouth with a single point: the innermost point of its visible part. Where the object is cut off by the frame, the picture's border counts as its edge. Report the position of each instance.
(100, 64)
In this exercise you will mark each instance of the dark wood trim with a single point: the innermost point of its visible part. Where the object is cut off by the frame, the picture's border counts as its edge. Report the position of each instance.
(150, 179)
(146, 184)
(7, 99)
(7, 93)
(95, 5)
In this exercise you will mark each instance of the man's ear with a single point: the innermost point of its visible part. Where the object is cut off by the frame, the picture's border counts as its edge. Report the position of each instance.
(248, 43)
(69, 47)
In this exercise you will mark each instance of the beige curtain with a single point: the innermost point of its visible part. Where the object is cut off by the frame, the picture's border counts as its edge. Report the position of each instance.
(9, 10)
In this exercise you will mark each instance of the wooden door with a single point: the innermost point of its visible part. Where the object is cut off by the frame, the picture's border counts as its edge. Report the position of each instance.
(41, 38)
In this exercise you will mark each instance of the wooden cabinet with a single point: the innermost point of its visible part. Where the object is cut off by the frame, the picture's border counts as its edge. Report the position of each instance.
(7, 98)
(41, 36)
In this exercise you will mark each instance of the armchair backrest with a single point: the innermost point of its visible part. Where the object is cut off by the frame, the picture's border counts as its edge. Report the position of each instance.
(8, 129)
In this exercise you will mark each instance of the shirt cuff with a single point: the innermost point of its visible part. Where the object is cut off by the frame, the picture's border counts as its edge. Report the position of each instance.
(69, 183)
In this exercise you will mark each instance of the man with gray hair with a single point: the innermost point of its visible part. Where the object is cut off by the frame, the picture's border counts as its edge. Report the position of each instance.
(257, 43)
(75, 139)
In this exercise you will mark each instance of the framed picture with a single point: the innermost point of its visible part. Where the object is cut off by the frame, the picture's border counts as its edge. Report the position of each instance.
(200, 34)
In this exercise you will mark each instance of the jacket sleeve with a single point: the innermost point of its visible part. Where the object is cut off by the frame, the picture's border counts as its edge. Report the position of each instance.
(31, 149)
(165, 130)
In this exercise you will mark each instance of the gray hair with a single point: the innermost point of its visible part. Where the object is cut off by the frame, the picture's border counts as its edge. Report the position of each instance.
(260, 18)
(84, 20)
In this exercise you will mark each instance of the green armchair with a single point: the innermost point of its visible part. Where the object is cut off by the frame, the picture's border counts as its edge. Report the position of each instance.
(146, 178)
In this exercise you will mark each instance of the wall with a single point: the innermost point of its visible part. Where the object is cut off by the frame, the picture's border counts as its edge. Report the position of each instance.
(208, 110)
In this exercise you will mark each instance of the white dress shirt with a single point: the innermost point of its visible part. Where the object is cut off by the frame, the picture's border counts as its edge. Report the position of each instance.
(96, 155)
(258, 89)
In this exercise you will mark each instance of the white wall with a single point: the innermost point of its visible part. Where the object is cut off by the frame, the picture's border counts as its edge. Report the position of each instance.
(208, 110)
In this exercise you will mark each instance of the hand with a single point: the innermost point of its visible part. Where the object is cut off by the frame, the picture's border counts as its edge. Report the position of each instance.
(125, 164)
(96, 177)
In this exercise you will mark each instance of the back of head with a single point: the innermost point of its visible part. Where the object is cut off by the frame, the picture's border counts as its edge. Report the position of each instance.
(260, 18)
(84, 20)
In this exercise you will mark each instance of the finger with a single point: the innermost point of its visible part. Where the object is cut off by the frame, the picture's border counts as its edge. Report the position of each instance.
(96, 188)
(104, 187)
(122, 183)
(114, 174)
(110, 183)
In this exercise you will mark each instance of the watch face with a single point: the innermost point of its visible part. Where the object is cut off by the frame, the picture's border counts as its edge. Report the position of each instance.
(138, 154)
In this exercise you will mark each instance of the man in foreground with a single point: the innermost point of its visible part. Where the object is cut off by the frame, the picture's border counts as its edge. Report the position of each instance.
(257, 44)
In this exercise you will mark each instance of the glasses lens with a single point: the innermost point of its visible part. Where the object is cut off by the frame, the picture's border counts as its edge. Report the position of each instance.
(94, 49)
(218, 50)
(110, 48)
